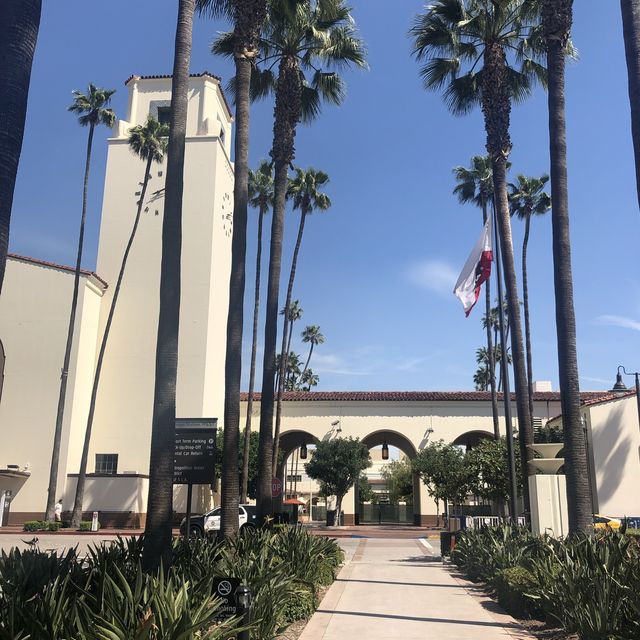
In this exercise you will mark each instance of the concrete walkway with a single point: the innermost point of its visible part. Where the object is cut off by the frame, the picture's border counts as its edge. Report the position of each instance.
(400, 589)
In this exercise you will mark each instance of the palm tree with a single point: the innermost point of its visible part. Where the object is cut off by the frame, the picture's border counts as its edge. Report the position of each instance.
(527, 199)
(19, 24)
(149, 142)
(92, 109)
(475, 185)
(248, 16)
(631, 29)
(486, 53)
(298, 36)
(261, 198)
(304, 190)
(308, 379)
(157, 548)
(556, 19)
(312, 336)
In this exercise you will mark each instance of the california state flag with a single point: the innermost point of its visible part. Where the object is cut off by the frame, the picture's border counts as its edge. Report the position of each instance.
(476, 270)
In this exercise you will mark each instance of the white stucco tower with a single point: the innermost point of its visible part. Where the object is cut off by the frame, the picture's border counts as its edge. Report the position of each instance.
(124, 407)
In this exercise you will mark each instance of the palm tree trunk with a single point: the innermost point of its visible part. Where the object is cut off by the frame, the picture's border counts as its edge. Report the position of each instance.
(557, 18)
(496, 107)
(527, 326)
(286, 116)
(306, 364)
(19, 24)
(157, 548)
(286, 335)
(252, 370)
(233, 364)
(490, 351)
(631, 29)
(76, 516)
(64, 374)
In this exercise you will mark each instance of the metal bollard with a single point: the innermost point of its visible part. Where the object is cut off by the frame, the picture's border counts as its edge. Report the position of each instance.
(243, 600)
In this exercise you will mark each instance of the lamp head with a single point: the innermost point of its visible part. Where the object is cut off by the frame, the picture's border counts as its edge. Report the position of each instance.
(303, 452)
(243, 596)
(619, 386)
(385, 450)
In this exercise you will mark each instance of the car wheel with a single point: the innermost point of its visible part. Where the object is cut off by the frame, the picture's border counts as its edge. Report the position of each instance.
(195, 531)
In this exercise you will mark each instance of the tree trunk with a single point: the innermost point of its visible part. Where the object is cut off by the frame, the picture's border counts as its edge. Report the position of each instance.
(19, 24)
(527, 326)
(557, 18)
(306, 364)
(157, 548)
(490, 350)
(286, 337)
(252, 370)
(631, 30)
(76, 516)
(64, 374)
(496, 107)
(233, 364)
(286, 116)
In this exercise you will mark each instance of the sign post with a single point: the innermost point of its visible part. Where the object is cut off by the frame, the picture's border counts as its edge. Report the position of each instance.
(194, 455)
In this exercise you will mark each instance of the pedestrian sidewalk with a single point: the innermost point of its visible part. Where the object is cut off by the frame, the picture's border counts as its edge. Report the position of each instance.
(400, 589)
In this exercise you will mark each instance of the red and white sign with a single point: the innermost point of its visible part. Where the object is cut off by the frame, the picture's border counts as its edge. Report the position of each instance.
(276, 487)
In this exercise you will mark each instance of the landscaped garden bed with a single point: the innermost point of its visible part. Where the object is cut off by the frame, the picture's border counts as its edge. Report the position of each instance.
(584, 585)
(106, 595)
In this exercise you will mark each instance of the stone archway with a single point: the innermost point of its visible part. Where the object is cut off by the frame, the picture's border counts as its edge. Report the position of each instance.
(470, 439)
(401, 442)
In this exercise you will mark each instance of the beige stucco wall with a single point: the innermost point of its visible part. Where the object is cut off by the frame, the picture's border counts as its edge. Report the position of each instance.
(34, 317)
(124, 408)
(616, 451)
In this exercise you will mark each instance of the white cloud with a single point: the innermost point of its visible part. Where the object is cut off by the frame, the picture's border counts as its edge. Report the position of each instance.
(435, 275)
(619, 321)
(329, 363)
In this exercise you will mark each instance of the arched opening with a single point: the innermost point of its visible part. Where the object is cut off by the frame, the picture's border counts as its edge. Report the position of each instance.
(471, 439)
(296, 446)
(383, 507)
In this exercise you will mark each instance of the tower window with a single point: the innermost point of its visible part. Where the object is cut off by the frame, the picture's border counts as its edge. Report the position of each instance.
(164, 115)
(107, 463)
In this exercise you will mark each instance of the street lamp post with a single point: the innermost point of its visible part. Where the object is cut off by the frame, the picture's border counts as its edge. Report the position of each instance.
(621, 386)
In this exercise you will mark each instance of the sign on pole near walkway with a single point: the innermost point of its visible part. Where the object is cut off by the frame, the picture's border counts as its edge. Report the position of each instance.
(195, 451)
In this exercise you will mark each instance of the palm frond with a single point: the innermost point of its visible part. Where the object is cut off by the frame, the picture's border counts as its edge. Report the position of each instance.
(216, 8)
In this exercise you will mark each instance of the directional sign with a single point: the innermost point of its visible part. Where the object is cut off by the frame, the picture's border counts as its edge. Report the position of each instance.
(276, 487)
(225, 590)
(195, 450)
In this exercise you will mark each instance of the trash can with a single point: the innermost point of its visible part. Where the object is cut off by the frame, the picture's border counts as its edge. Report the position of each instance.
(331, 517)
(447, 542)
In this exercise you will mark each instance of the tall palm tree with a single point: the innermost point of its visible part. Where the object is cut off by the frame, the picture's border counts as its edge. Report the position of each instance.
(487, 53)
(149, 142)
(475, 185)
(557, 18)
(299, 36)
(311, 335)
(248, 16)
(528, 198)
(304, 190)
(293, 313)
(157, 548)
(19, 25)
(631, 29)
(308, 379)
(92, 109)
(261, 198)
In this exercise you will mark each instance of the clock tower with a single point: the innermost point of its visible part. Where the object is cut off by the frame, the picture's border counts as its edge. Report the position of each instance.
(122, 423)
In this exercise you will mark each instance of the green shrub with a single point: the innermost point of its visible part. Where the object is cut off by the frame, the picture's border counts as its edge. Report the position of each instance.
(33, 525)
(85, 525)
(512, 587)
(300, 606)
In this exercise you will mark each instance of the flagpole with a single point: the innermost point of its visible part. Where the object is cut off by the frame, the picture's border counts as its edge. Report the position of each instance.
(504, 363)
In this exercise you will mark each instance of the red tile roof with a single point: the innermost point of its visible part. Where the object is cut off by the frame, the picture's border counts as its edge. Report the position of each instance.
(53, 265)
(412, 396)
(191, 75)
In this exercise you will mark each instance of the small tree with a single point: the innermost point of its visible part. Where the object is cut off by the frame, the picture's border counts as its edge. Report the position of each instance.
(399, 477)
(442, 469)
(365, 492)
(488, 470)
(336, 464)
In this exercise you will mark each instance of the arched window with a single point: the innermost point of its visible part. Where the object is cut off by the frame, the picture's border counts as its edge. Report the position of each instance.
(2, 359)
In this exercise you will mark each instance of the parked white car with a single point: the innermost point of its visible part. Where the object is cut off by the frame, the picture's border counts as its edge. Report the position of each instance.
(210, 521)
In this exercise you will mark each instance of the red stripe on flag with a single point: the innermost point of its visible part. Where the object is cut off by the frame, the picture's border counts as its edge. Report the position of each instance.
(483, 273)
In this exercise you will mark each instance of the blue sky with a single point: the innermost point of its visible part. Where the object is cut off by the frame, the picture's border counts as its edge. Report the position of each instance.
(376, 270)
